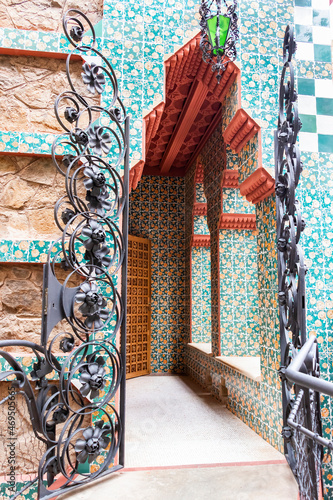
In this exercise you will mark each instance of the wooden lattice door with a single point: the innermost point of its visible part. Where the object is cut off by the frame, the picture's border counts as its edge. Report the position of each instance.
(138, 307)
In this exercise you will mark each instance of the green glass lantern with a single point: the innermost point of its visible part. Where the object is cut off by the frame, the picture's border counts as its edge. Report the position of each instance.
(218, 30)
(219, 33)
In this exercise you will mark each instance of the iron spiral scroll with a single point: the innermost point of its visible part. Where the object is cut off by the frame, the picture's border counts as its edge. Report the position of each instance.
(84, 283)
(299, 371)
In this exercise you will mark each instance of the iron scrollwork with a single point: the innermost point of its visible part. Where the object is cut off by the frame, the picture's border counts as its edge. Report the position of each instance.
(299, 371)
(86, 357)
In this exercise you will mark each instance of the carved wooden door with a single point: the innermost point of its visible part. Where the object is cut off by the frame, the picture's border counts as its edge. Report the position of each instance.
(138, 307)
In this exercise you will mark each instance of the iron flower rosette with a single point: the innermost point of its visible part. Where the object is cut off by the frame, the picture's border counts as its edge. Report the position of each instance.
(93, 78)
(97, 192)
(92, 306)
(92, 376)
(90, 297)
(90, 154)
(94, 441)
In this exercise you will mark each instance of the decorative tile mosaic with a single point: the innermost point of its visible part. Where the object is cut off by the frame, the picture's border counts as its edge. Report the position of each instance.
(201, 295)
(230, 105)
(240, 332)
(162, 221)
(315, 87)
(213, 160)
(189, 202)
(29, 494)
(200, 224)
(271, 398)
(235, 203)
(200, 196)
(248, 159)
(137, 48)
(40, 41)
(243, 393)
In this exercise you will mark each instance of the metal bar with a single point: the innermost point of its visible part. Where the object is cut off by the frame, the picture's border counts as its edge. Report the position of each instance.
(300, 428)
(124, 293)
(294, 374)
(92, 248)
(299, 369)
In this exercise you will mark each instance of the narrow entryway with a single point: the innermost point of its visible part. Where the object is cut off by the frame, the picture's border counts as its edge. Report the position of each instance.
(182, 444)
(171, 420)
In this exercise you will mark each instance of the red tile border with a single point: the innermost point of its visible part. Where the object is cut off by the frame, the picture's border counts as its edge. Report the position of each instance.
(199, 173)
(207, 466)
(200, 209)
(6, 51)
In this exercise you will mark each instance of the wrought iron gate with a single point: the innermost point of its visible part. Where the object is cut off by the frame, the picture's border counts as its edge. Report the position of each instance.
(299, 371)
(79, 414)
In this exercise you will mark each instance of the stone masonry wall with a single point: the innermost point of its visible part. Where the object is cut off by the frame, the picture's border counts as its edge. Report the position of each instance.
(30, 187)
(21, 304)
(28, 89)
(44, 14)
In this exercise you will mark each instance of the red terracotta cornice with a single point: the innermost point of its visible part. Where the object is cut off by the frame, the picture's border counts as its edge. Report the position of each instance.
(238, 221)
(258, 186)
(200, 209)
(200, 240)
(189, 112)
(240, 130)
(199, 173)
(230, 179)
(135, 175)
(151, 123)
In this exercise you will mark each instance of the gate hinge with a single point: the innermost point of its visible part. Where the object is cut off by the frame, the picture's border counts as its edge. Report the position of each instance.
(45, 301)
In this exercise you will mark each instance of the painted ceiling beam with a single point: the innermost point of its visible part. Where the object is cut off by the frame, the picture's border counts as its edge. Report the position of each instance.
(212, 126)
(188, 115)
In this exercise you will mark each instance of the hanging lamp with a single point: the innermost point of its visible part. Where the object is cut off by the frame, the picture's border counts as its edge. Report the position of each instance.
(219, 33)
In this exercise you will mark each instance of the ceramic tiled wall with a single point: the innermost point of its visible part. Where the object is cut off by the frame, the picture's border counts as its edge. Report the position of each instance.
(201, 295)
(136, 37)
(240, 331)
(315, 103)
(234, 202)
(213, 161)
(157, 212)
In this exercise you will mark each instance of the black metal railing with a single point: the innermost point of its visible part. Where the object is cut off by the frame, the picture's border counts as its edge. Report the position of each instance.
(84, 284)
(299, 371)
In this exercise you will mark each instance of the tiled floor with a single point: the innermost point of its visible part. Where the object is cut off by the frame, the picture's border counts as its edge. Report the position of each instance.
(170, 420)
(171, 425)
(263, 482)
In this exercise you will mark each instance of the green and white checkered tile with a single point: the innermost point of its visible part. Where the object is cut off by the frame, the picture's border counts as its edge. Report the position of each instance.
(315, 87)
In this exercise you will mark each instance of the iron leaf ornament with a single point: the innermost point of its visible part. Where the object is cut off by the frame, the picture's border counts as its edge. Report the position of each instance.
(299, 371)
(81, 286)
